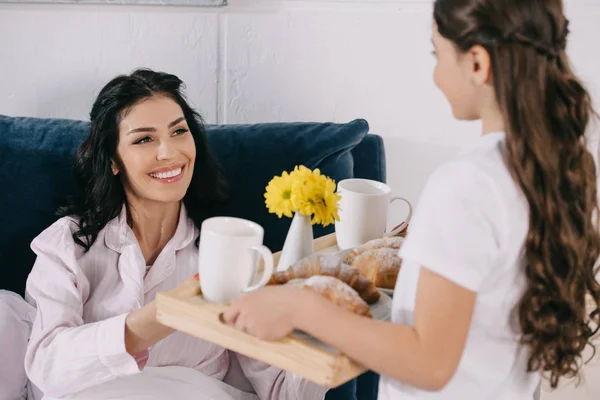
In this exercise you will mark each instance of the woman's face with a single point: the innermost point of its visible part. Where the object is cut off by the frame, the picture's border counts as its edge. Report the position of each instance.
(156, 151)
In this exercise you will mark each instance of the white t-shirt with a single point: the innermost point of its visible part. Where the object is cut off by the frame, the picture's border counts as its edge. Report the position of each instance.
(470, 227)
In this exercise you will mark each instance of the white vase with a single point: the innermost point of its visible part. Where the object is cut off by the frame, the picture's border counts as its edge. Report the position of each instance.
(298, 242)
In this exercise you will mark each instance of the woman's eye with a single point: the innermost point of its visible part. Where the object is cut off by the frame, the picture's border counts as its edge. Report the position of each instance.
(145, 139)
(180, 131)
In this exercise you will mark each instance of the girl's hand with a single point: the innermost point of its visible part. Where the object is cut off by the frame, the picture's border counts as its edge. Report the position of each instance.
(269, 313)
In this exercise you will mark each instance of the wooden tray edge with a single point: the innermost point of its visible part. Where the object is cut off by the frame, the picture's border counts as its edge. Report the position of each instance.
(327, 369)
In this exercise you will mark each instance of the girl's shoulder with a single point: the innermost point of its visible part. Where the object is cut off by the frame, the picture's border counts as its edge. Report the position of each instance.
(479, 169)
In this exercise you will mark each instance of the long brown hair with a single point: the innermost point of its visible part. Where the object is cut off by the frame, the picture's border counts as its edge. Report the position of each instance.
(546, 112)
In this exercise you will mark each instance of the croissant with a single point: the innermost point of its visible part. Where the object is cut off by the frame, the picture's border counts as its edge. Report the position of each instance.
(380, 266)
(328, 266)
(336, 292)
(386, 242)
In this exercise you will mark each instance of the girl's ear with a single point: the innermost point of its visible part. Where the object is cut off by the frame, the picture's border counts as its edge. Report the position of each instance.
(480, 65)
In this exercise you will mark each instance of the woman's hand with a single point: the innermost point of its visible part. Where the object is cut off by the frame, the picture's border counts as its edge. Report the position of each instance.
(142, 330)
(188, 288)
(269, 313)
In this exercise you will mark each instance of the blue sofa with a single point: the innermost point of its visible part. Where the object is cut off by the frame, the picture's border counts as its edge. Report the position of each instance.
(36, 157)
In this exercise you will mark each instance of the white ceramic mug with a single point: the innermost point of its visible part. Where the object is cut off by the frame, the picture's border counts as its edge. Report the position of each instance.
(227, 262)
(363, 211)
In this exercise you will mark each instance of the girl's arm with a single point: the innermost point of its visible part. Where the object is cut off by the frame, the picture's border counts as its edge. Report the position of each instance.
(454, 240)
(425, 356)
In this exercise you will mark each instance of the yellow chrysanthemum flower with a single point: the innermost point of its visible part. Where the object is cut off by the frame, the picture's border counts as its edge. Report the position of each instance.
(304, 187)
(301, 173)
(278, 196)
(324, 203)
(305, 191)
(328, 209)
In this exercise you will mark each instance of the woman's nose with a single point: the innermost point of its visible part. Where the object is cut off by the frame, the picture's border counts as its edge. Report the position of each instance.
(165, 150)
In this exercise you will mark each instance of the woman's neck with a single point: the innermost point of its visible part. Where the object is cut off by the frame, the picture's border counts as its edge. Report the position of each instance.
(153, 224)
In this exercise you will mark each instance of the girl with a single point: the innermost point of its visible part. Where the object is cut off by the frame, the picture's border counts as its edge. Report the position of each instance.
(501, 252)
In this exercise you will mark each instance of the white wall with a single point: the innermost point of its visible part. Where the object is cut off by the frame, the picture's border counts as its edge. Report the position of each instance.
(262, 60)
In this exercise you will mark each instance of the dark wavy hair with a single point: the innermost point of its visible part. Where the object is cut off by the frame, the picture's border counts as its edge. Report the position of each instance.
(101, 195)
(546, 111)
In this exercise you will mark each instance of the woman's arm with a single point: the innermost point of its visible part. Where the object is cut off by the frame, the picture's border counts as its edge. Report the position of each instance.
(425, 355)
(65, 354)
(142, 330)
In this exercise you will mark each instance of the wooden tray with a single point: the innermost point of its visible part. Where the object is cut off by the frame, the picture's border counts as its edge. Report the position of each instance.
(297, 353)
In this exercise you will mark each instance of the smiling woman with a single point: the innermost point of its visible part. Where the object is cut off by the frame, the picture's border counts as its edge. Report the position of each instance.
(147, 148)
(147, 180)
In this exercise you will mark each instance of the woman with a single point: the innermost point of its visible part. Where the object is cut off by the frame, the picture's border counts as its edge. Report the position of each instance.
(147, 180)
(501, 252)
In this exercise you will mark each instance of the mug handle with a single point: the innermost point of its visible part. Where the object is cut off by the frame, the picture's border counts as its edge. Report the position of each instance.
(267, 257)
(403, 225)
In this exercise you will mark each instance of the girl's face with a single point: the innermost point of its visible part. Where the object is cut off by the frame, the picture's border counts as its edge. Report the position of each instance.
(156, 151)
(458, 76)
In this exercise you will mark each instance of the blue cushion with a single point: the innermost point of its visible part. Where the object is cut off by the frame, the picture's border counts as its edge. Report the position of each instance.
(252, 154)
(36, 173)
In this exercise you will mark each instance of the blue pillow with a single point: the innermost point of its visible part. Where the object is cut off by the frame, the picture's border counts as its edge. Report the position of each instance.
(37, 156)
(253, 154)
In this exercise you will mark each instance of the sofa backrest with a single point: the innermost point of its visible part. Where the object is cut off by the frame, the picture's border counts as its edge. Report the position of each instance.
(36, 156)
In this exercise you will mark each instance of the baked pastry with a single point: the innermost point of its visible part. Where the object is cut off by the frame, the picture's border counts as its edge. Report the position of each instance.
(393, 242)
(329, 265)
(336, 292)
(380, 266)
